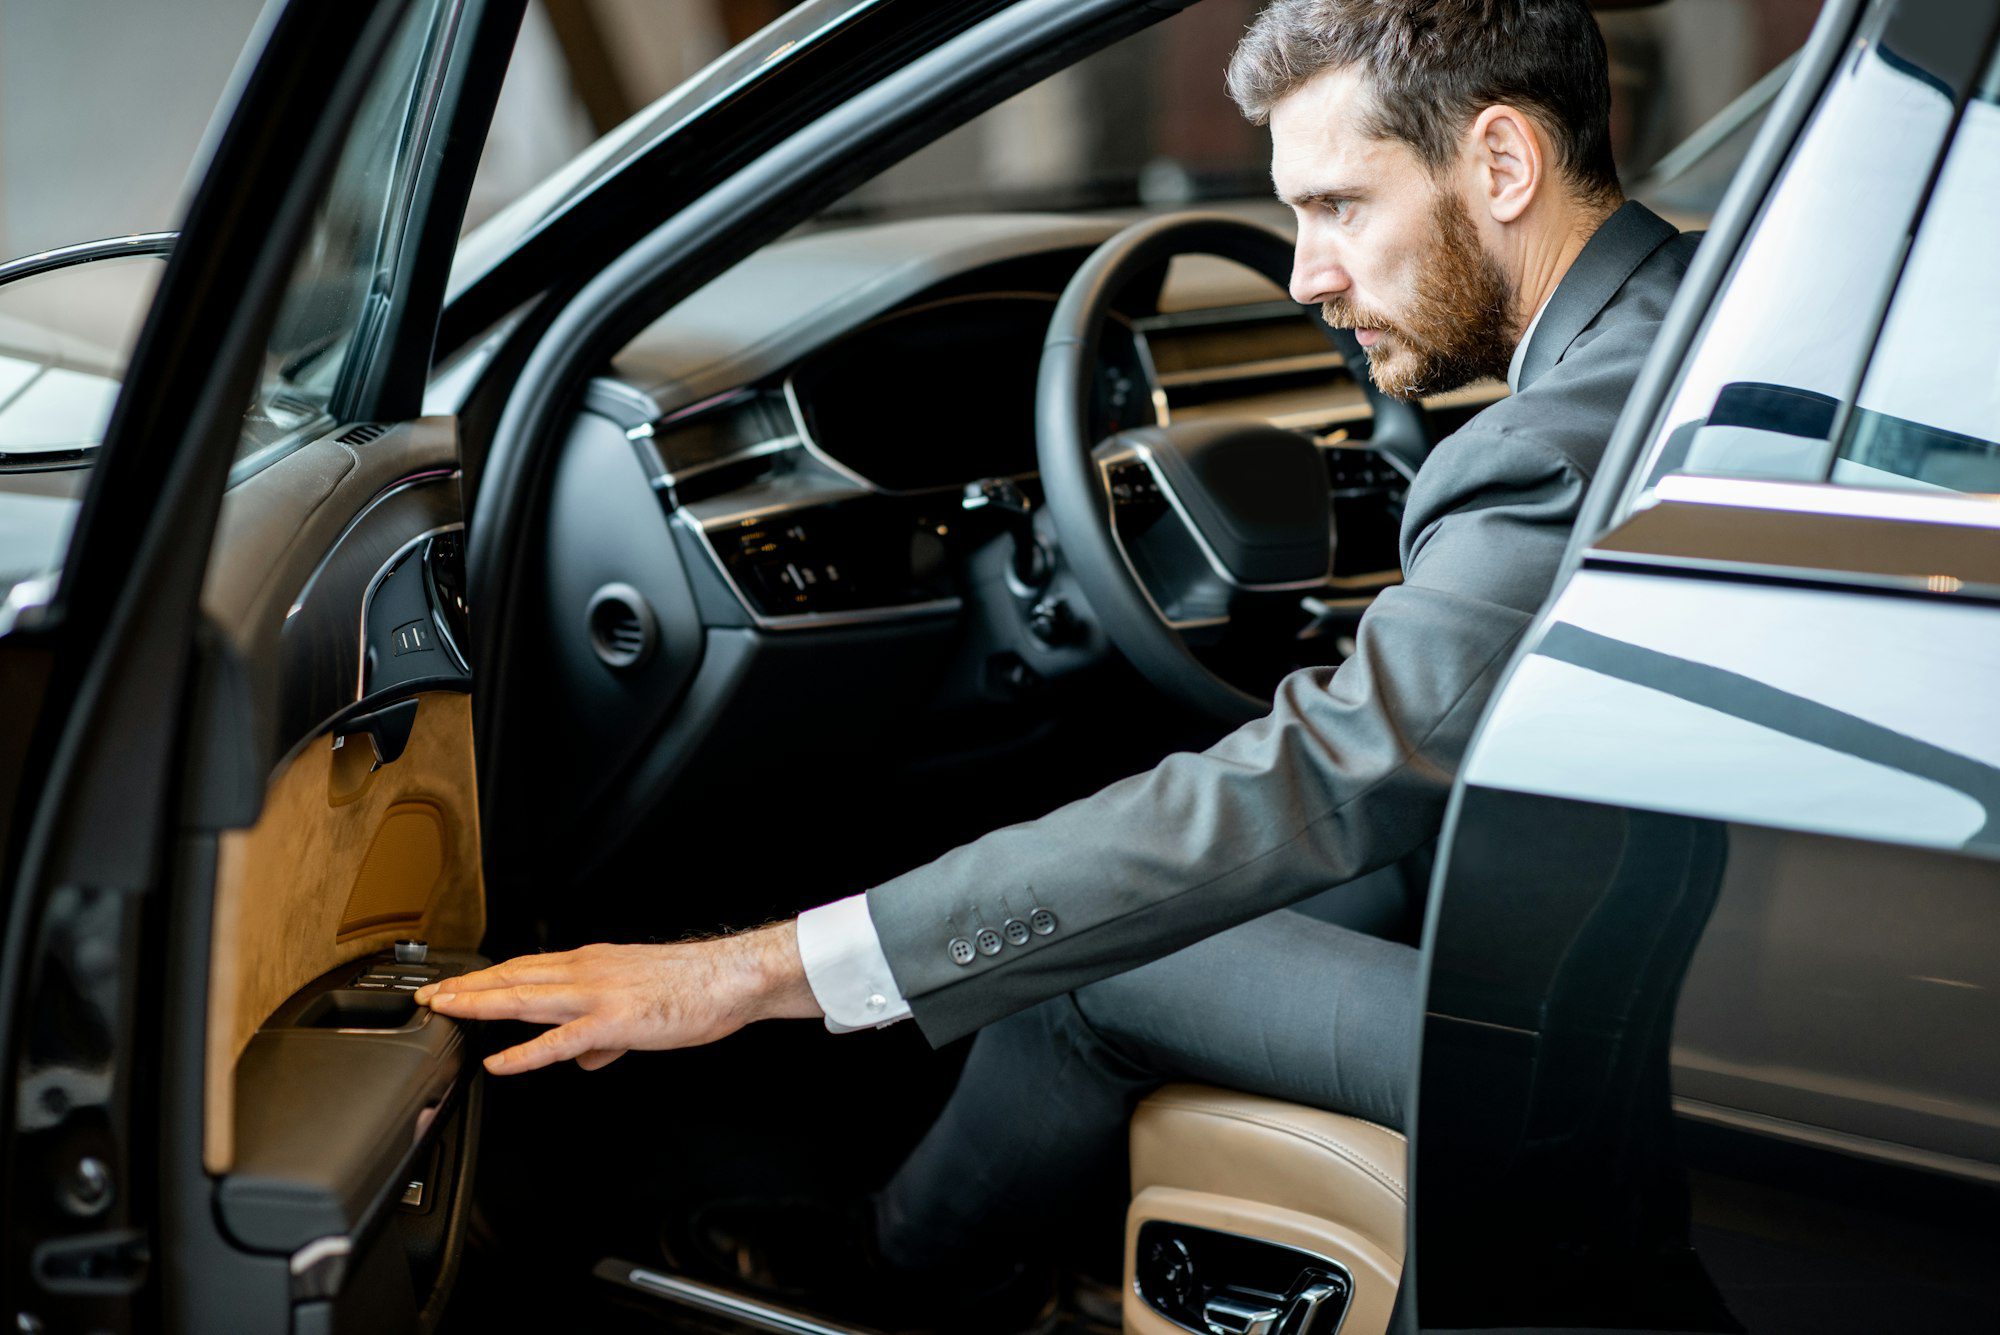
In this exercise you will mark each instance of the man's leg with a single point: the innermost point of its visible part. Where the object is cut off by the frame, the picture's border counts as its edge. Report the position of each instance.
(1286, 1005)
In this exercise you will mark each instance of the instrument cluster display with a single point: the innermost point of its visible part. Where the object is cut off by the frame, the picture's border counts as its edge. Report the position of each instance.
(943, 394)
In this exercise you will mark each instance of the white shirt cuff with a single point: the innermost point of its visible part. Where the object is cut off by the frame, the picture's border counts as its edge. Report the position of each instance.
(846, 969)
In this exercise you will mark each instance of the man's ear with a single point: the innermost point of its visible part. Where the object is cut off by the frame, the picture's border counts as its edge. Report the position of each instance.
(1507, 161)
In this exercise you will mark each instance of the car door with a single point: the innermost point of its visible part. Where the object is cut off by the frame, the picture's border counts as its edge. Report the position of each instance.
(1713, 958)
(236, 763)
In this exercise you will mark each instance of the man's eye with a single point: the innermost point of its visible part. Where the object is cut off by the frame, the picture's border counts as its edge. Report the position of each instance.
(1338, 208)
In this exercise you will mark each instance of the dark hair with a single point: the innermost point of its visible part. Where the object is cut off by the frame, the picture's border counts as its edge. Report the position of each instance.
(1434, 65)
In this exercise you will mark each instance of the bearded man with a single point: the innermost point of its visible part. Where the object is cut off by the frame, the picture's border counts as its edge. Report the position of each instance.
(1450, 168)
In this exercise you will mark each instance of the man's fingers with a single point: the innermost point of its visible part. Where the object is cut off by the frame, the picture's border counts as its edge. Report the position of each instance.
(599, 1058)
(544, 1049)
(512, 973)
(540, 1002)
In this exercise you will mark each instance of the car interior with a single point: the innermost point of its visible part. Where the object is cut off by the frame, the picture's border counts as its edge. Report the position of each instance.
(790, 618)
(791, 582)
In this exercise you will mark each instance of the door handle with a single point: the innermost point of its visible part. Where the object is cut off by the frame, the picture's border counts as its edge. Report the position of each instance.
(387, 729)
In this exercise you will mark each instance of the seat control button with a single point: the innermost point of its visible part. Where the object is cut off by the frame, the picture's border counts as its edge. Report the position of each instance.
(961, 950)
(1015, 931)
(412, 952)
(1042, 921)
(987, 940)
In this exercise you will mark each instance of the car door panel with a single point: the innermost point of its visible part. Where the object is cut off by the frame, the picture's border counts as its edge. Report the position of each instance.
(343, 862)
(338, 1118)
(297, 547)
(311, 748)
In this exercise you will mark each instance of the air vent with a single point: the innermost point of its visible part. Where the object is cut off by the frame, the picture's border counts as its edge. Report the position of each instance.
(623, 629)
(364, 433)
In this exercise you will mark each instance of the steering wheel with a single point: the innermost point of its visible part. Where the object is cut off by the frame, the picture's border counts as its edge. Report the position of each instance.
(1237, 512)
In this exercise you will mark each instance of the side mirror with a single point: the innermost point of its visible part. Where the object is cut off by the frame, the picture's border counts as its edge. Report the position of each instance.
(68, 319)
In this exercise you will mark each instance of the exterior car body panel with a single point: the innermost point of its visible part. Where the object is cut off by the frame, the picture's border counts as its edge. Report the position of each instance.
(1721, 882)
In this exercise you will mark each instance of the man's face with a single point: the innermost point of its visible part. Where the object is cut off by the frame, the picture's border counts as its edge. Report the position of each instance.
(1385, 248)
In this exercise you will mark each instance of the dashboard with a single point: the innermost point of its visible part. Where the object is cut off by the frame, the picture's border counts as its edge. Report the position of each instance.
(796, 495)
(812, 425)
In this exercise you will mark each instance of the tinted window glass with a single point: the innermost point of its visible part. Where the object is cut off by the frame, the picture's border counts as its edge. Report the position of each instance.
(1785, 342)
(1929, 410)
(352, 246)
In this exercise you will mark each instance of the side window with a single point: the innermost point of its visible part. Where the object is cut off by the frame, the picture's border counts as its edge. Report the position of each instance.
(1928, 414)
(337, 293)
(1786, 341)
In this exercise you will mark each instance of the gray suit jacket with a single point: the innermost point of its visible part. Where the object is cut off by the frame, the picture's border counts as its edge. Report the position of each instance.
(1351, 769)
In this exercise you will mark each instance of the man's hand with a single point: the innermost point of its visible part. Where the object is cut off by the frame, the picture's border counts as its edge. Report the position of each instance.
(605, 1000)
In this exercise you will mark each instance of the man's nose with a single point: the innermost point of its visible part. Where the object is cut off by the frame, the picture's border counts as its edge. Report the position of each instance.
(1315, 277)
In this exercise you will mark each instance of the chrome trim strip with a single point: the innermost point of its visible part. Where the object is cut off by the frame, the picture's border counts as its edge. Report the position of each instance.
(1256, 312)
(400, 485)
(318, 1250)
(734, 1306)
(1145, 455)
(1841, 1142)
(156, 244)
(859, 616)
(812, 446)
(1104, 467)
(673, 477)
(755, 512)
(368, 600)
(1964, 509)
(1263, 367)
(1939, 585)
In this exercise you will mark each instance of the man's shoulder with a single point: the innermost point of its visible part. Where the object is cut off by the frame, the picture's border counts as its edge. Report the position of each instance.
(1646, 294)
(1570, 409)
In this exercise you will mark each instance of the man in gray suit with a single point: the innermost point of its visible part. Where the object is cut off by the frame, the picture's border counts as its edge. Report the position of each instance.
(1449, 165)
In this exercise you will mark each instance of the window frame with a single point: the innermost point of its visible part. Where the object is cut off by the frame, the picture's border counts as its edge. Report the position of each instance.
(1620, 528)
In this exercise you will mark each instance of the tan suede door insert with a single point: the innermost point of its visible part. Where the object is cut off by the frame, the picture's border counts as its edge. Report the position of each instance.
(343, 861)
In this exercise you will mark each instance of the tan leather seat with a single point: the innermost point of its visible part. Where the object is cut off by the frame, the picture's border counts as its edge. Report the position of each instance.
(1262, 1168)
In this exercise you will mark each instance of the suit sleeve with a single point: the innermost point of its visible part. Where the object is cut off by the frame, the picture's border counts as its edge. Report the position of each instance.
(1349, 771)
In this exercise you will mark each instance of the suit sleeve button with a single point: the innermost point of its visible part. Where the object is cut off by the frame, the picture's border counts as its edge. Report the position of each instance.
(987, 940)
(1015, 931)
(1042, 921)
(961, 950)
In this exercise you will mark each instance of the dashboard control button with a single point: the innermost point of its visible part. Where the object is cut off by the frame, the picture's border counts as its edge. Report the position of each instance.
(1015, 931)
(414, 638)
(961, 950)
(987, 940)
(1041, 921)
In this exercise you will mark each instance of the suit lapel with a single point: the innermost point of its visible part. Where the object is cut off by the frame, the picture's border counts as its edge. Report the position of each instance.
(1620, 245)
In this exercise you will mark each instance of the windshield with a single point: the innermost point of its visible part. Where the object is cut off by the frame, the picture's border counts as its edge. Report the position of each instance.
(490, 242)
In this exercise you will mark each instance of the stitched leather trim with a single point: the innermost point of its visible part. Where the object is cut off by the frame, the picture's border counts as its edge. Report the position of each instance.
(1390, 1181)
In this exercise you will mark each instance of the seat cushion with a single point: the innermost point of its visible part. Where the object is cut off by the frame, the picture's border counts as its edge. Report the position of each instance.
(1263, 1168)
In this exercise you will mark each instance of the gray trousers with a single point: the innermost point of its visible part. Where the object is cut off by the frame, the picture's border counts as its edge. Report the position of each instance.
(1032, 1147)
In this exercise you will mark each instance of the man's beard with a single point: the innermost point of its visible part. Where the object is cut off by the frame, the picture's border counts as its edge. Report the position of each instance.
(1458, 326)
